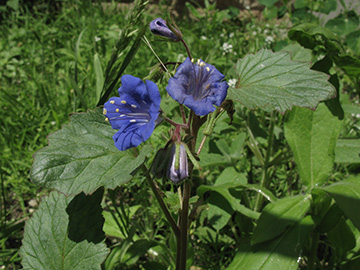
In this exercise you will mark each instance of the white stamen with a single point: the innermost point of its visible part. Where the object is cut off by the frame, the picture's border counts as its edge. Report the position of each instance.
(132, 121)
(122, 115)
(133, 105)
(207, 69)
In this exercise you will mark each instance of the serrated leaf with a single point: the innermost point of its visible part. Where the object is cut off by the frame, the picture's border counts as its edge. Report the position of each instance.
(347, 195)
(81, 157)
(280, 253)
(312, 137)
(46, 242)
(347, 151)
(271, 81)
(277, 216)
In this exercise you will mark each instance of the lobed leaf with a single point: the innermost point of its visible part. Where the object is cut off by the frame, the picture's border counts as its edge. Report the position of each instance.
(48, 242)
(271, 81)
(81, 157)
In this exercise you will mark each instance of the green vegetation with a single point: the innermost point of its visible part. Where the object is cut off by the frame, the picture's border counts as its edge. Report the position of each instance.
(66, 57)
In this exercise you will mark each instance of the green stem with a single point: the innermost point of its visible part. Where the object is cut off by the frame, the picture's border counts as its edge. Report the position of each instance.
(265, 179)
(155, 190)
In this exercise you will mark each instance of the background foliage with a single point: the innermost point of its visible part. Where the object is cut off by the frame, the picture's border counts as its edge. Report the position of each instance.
(56, 58)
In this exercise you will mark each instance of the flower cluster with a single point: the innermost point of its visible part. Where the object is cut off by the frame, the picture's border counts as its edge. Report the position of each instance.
(196, 84)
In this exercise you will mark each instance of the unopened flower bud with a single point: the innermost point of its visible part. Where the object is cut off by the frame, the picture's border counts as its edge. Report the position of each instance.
(178, 168)
(159, 27)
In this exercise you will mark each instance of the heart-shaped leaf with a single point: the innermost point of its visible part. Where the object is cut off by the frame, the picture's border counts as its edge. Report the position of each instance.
(51, 240)
(81, 157)
(271, 81)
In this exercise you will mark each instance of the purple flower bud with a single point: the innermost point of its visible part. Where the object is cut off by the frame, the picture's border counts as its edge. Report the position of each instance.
(178, 168)
(159, 27)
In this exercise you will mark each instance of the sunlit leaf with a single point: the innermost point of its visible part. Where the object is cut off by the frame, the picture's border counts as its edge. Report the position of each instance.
(51, 240)
(271, 81)
(347, 195)
(312, 137)
(277, 216)
(280, 253)
(81, 157)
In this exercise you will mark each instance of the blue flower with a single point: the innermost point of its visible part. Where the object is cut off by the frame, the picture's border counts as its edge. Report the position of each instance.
(159, 27)
(199, 86)
(134, 112)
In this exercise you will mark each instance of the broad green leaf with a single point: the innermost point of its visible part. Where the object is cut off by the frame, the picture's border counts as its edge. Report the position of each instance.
(280, 253)
(81, 157)
(312, 137)
(353, 41)
(47, 243)
(230, 175)
(271, 81)
(277, 216)
(347, 195)
(310, 35)
(223, 190)
(219, 212)
(342, 239)
(344, 23)
(347, 151)
(298, 53)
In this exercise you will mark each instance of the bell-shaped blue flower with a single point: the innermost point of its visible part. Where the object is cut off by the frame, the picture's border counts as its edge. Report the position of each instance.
(133, 113)
(199, 86)
(159, 27)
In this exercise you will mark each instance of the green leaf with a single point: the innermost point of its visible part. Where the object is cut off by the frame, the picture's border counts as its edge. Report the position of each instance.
(81, 157)
(347, 195)
(312, 137)
(298, 53)
(342, 239)
(280, 253)
(219, 212)
(310, 35)
(99, 76)
(47, 244)
(271, 81)
(347, 151)
(344, 23)
(234, 202)
(277, 216)
(111, 225)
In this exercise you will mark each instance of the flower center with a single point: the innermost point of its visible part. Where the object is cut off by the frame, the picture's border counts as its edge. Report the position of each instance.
(129, 112)
(199, 86)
